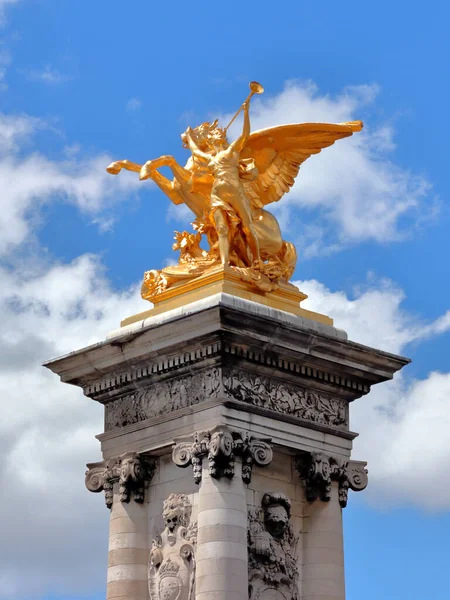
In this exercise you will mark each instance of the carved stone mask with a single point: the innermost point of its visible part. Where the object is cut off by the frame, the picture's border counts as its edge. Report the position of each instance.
(171, 522)
(173, 514)
(276, 520)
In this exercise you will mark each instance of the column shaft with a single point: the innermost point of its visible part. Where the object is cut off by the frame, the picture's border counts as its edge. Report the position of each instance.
(221, 556)
(128, 551)
(323, 551)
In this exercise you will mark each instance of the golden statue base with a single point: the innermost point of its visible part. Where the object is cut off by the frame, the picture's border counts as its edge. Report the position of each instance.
(286, 297)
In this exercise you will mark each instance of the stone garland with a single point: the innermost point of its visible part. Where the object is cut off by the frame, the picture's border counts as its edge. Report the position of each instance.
(131, 470)
(221, 446)
(318, 471)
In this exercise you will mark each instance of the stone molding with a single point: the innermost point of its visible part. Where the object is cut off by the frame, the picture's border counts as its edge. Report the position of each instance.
(318, 470)
(221, 445)
(131, 470)
(160, 367)
(173, 363)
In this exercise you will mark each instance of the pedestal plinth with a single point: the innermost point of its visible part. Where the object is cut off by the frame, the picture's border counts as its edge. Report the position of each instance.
(226, 450)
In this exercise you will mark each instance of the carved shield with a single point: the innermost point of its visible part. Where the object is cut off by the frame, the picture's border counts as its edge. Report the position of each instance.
(171, 580)
(272, 594)
(169, 588)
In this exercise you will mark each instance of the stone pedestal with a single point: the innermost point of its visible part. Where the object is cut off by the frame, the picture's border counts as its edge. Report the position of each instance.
(226, 450)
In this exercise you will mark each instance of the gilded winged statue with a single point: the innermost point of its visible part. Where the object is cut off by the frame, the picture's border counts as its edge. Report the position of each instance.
(228, 186)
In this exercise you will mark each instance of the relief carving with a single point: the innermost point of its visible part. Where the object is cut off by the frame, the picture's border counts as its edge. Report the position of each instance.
(221, 446)
(266, 392)
(171, 569)
(162, 398)
(318, 471)
(272, 561)
(285, 398)
(131, 470)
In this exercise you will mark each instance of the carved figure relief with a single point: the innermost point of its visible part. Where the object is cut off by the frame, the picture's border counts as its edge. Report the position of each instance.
(318, 471)
(162, 398)
(221, 446)
(273, 571)
(171, 571)
(282, 397)
(131, 470)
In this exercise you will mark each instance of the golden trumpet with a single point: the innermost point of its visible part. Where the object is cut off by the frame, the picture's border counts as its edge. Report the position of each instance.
(255, 88)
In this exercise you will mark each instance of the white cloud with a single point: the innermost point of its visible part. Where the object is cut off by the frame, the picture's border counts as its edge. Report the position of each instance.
(47, 429)
(3, 5)
(365, 195)
(48, 75)
(14, 131)
(31, 180)
(134, 104)
(403, 424)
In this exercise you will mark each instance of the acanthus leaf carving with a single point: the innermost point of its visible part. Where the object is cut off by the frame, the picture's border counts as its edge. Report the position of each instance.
(221, 446)
(131, 470)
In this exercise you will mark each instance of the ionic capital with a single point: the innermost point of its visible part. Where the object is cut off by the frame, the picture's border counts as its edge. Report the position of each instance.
(221, 445)
(131, 470)
(318, 470)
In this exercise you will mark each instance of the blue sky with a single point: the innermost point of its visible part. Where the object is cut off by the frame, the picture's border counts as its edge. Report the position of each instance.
(84, 83)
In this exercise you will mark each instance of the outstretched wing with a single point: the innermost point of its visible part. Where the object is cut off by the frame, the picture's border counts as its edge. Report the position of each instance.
(278, 153)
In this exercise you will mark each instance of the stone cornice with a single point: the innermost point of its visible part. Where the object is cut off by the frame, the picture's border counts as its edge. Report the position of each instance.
(318, 470)
(131, 470)
(274, 334)
(106, 387)
(220, 446)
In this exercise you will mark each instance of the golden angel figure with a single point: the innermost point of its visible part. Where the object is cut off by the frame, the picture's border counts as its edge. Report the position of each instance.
(227, 186)
(228, 199)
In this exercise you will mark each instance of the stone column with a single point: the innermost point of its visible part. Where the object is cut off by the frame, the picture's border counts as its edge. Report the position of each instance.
(222, 565)
(327, 481)
(222, 463)
(323, 549)
(123, 479)
(128, 550)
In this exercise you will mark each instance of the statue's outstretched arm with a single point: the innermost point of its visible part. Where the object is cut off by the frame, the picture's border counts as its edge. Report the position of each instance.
(238, 144)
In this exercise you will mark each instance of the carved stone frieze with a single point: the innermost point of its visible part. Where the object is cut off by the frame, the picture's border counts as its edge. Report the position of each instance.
(221, 446)
(171, 569)
(318, 471)
(162, 398)
(131, 470)
(272, 546)
(283, 397)
(144, 375)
